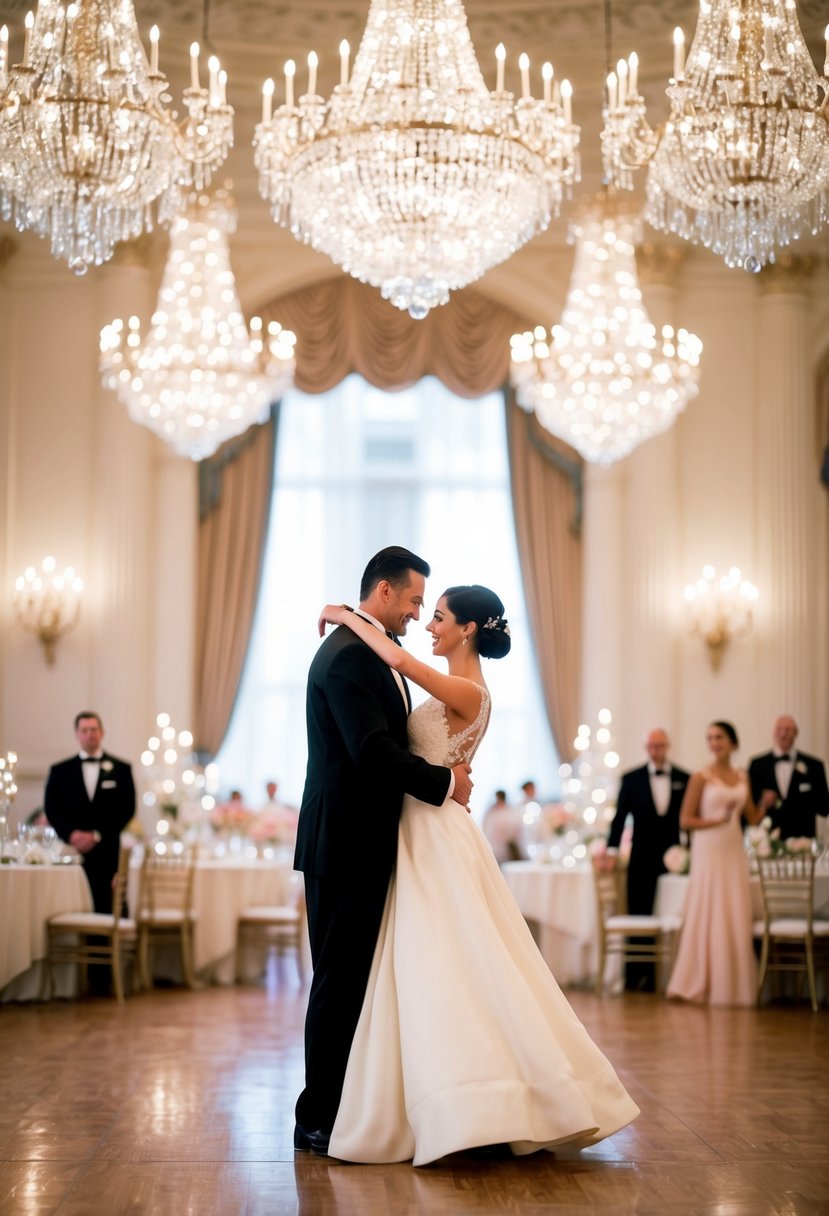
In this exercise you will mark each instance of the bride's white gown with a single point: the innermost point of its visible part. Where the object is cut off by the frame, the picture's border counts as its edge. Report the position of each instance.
(464, 1038)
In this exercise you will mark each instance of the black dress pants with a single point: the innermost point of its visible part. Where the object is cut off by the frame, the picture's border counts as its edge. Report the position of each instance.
(344, 917)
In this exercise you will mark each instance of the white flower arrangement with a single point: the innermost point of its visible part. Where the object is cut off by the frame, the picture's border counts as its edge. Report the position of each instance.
(677, 859)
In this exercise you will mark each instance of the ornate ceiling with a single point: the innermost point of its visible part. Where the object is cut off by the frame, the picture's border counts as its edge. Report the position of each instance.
(253, 38)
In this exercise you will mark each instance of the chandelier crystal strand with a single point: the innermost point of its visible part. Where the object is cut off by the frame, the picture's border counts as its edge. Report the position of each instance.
(87, 142)
(742, 164)
(412, 176)
(603, 380)
(199, 377)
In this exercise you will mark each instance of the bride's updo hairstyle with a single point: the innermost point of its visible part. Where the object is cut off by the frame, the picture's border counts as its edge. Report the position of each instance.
(482, 607)
(729, 732)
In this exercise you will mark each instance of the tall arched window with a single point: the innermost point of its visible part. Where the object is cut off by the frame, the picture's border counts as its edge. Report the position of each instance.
(359, 468)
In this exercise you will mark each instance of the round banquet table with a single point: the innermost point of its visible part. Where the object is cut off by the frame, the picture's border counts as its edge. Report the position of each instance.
(222, 888)
(672, 889)
(29, 895)
(560, 906)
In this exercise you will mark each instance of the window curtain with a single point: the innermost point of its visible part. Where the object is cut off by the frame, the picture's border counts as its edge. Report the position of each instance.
(234, 506)
(547, 483)
(343, 326)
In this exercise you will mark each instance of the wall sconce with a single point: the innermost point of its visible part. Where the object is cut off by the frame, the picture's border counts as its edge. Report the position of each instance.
(720, 609)
(48, 603)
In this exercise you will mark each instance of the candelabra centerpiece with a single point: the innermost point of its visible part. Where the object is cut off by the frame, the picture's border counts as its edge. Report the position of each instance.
(48, 603)
(174, 784)
(603, 379)
(412, 176)
(87, 142)
(199, 377)
(742, 163)
(8, 791)
(720, 609)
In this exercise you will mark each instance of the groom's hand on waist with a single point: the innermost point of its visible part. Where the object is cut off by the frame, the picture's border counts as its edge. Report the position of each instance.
(463, 784)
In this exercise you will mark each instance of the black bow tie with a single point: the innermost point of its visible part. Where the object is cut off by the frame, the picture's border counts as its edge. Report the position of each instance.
(788, 759)
(661, 772)
(91, 759)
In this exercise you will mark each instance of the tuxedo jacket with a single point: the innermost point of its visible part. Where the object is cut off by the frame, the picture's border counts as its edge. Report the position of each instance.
(69, 808)
(359, 765)
(807, 796)
(652, 833)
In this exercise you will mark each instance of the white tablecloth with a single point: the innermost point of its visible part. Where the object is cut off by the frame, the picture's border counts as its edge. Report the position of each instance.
(222, 889)
(29, 895)
(560, 906)
(672, 888)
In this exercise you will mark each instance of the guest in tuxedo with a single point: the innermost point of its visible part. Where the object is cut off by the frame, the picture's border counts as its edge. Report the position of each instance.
(788, 785)
(359, 768)
(89, 800)
(652, 795)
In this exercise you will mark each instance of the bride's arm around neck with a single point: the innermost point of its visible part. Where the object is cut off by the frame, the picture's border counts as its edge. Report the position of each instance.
(458, 693)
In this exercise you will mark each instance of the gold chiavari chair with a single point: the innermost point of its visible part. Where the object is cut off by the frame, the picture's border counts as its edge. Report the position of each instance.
(631, 939)
(165, 909)
(792, 939)
(90, 938)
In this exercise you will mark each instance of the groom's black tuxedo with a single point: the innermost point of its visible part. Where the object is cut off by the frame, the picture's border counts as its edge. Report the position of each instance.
(359, 768)
(806, 797)
(69, 808)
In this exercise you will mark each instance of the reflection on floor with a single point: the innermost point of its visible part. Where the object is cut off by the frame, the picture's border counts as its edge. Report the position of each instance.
(182, 1102)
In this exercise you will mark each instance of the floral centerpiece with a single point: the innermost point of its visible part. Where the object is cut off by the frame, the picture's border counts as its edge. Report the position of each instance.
(766, 841)
(276, 825)
(232, 818)
(677, 859)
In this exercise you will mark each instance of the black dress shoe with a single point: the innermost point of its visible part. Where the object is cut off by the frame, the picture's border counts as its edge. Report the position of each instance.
(315, 1141)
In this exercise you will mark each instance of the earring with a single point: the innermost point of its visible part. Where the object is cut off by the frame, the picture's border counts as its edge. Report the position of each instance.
(465, 640)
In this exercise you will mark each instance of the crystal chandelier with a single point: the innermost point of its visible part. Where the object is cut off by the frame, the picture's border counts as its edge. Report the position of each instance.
(87, 143)
(199, 378)
(603, 380)
(413, 176)
(742, 164)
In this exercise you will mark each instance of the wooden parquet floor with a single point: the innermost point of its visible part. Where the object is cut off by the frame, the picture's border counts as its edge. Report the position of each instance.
(181, 1104)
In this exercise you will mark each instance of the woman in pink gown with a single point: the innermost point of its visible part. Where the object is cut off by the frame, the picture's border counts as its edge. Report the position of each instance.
(715, 962)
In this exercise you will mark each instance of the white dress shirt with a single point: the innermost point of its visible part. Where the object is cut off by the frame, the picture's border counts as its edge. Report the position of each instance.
(91, 772)
(783, 769)
(660, 787)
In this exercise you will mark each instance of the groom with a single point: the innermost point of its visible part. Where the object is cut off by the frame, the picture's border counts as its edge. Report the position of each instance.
(359, 768)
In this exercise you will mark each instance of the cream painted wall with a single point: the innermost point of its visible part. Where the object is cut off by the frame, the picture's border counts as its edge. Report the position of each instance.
(85, 484)
(79, 479)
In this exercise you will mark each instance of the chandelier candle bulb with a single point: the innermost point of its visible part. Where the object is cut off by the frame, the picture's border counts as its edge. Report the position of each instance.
(679, 54)
(524, 67)
(826, 53)
(622, 74)
(612, 94)
(267, 100)
(345, 51)
(547, 77)
(500, 58)
(313, 61)
(27, 38)
(154, 36)
(290, 72)
(567, 99)
(215, 92)
(4, 48)
(633, 74)
(194, 65)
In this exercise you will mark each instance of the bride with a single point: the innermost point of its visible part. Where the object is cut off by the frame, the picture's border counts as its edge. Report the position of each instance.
(464, 1038)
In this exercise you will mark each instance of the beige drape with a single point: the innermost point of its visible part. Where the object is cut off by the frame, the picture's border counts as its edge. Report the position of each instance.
(343, 326)
(236, 496)
(546, 497)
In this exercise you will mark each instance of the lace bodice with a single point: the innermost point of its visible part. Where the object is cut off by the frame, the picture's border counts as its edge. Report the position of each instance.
(429, 735)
